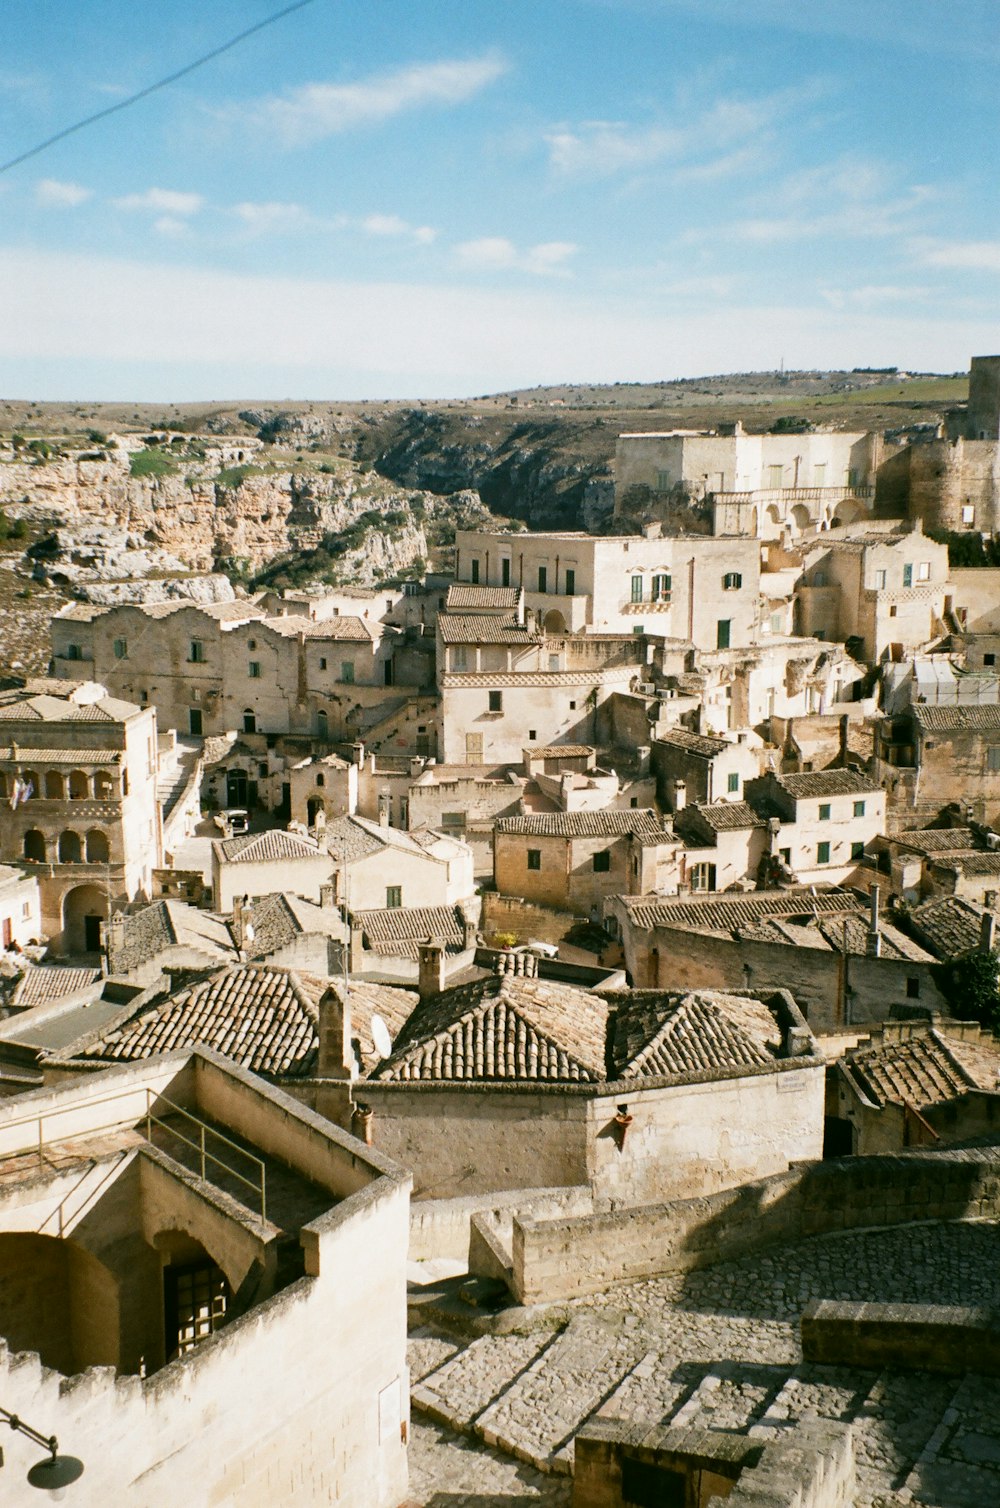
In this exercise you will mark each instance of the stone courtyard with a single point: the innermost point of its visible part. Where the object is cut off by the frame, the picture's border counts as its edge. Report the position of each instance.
(494, 1417)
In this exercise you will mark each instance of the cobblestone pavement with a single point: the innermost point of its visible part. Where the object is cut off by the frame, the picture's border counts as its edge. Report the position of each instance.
(719, 1348)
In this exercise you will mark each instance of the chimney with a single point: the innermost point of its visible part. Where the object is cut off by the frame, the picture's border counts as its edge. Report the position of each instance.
(987, 932)
(469, 930)
(680, 795)
(241, 907)
(873, 942)
(358, 754)
(642, 759)
(431, 980)
(326, 896)
(114, 940)
(384, 808)
(336, 1053)
(990, 900)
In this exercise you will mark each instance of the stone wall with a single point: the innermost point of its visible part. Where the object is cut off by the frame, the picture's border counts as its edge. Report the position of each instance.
(911, 1337)
(561, 1259)
(527, 921)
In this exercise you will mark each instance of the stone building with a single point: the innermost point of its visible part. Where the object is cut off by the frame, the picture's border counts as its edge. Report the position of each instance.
(820, 824)
(201, 1331)
(756, 485)
(378, 867)
(930, 757)
(697, 588)
(20, 907)
(882, 594)
(573, 860)
(845, 963)
(78, 802)
(257, 864)
(512, 1083)
(695, 767)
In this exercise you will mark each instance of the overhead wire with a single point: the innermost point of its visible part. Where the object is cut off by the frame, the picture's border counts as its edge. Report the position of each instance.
(141, 94)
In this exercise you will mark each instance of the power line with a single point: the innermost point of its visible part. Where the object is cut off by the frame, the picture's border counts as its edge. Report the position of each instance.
(171, 78)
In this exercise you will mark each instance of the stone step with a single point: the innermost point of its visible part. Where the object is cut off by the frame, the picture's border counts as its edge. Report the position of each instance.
(892, 1428)
(467, 1383)
(960, 1462)
(426, 1351)
(537, 1417)
(732, 1395)
(654, 1389)
(814, 1391)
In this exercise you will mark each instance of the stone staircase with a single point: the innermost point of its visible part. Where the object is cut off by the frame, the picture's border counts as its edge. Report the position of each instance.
(920, 1440)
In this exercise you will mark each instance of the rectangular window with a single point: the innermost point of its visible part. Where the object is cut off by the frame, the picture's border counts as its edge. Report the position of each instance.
(120, 647)
(722, 633)
(636, 588)
(913, 988)
(924, 570)
(496, 701)
(474, 572)
(857, 850)
(534, 858)
(393, 897)
(993, 757)
(602, 861)
(553, 662)
(197, 655)
(453, 821)
(859, 808)
(661, 588)
(254, 670)
(505, 571)
(570, 583)
(543, 579)
(824, 811)
(663, 481)
(322, 662)
(822, 853)
(989, 659)
(732, 581)
(347, 671)
(819, 475)
(968, 514)
(880, 580)
(775, 475)
(732, 784)
(907, 575)
(460, 658)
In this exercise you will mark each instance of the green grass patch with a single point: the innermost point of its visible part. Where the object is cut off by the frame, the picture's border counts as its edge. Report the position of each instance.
(150, 462)
(234, 476)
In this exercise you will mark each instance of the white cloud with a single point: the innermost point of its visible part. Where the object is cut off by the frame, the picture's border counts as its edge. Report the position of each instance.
(973, 256)
(169, 225)
(396, 226)
(871, 295)
(87, 320)
(50, 191)
(315, 111)
(498, 254)
(271, 215)
(162, 202)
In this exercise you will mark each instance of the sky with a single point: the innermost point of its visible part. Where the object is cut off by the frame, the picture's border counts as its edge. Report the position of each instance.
(448, 198)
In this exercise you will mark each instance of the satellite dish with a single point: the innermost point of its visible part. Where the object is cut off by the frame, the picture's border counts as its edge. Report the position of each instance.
(380, 1036)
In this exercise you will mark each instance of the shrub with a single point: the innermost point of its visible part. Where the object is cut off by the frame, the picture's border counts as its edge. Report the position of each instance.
(150, 463)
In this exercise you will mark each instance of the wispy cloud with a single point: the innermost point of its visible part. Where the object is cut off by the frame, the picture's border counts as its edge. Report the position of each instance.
(57, 195)
(498, 254)
(271, 215)
(394, 226)
(315, 111)
(873, 296)
(846, 198)
(973, 256)
(162, 202)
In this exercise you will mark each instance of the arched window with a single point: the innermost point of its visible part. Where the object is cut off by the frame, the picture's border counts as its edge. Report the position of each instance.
(103, 786)
(55, 788)
(79, 786)
(249, 720)
(34, 846)
(322, 724)
(321, 778)
(70, 851)
(98, 851)
(31, 784)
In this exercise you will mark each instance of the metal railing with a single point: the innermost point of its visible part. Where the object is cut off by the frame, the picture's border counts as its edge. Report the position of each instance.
(148, 1120)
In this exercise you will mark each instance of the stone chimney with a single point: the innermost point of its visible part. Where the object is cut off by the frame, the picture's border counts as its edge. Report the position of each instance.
(987, 932)
(642, 759)
(114, 941)
(327, 893)
(336, 1069)
(358, 754)
(431, 980)
(241, 915)
(873, 942)
(469, 930)
(680, 795)
(384, 808)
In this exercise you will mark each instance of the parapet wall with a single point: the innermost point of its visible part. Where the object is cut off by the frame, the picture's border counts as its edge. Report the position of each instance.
(915, 1337)
(561, 1259)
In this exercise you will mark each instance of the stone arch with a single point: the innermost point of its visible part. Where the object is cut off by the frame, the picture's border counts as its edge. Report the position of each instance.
(554, 622)
(79, 785)
(30, 783)
(198, 1290)
(322, 724)
(70, 847)
(55, 786)
(249, 720)
(773, 515)
(103, 786)
(98, 848)
(848, 511)
(33, 846)
(85, 907)
(314, 806)
(801, 518)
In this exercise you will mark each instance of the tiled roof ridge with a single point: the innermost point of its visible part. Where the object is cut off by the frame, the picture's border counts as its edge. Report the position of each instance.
(684, 1031)
(876, 1065)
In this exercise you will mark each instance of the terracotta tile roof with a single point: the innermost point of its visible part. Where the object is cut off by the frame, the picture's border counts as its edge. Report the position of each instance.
(278, 919)
(339, 628)
(700, 744)
(563, 751)
(970, 863)
(400, 930)
(264, 848)
(722, 816)
(936, 840)
(45, 984)
(54, 709)
(462, 596)
(923, 1070)
(264, 1019)
(77, 759)
(950, 926)
(968, 719)
(482, 628)
(164, 924)
(602, 824)
(503, 1029)
(364, 837)
(726, 913)
(828, 783)
(661, 1035)
(366, 999)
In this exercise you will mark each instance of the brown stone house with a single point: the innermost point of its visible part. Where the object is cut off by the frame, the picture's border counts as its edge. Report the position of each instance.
(573, 860)
(930, 757)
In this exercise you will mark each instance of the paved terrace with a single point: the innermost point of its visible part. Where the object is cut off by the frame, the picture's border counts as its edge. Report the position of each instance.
(717, 1348)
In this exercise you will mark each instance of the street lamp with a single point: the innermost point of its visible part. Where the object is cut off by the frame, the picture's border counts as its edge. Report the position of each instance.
(54, 1474)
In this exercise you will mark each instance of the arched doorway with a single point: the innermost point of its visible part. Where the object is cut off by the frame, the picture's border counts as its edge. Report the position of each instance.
(313, 806)
(197, 1296)
(554, 622)
(249, 720)
(85, 907)
(236, 788)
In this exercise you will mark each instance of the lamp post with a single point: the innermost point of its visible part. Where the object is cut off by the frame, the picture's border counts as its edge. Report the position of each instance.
(56, 1472)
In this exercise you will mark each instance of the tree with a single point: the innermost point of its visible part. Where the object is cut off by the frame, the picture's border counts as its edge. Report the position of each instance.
(972, 985)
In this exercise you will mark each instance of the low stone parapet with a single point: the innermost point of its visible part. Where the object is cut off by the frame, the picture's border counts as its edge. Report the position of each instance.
(918, 1337)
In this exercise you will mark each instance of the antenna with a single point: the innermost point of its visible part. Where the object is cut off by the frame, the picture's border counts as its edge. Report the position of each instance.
(380, 1036)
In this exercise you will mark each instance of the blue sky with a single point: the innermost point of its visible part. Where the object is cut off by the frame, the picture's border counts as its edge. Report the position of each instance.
(452, 197)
